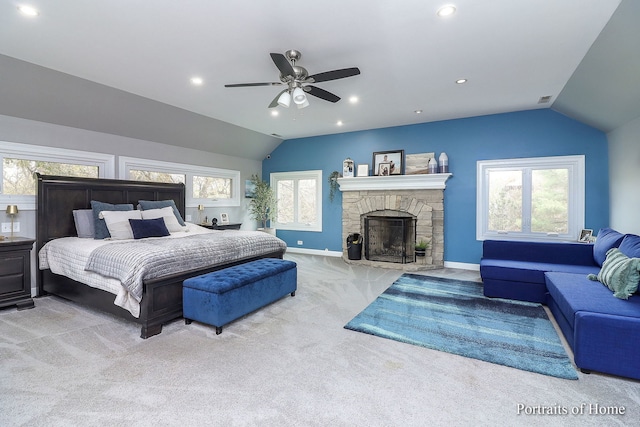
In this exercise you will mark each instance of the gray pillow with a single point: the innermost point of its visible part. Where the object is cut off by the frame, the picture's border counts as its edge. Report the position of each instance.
(84, 223)
(101, 231)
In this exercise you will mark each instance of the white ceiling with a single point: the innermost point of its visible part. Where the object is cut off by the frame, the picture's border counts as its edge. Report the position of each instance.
(511, 52)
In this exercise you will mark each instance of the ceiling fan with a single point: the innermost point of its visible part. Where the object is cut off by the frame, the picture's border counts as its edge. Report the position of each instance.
(298, 80)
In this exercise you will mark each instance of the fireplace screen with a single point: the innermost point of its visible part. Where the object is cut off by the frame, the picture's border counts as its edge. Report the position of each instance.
(389, 238)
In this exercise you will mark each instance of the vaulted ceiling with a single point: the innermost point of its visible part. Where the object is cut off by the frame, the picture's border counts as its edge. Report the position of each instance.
(124, 67)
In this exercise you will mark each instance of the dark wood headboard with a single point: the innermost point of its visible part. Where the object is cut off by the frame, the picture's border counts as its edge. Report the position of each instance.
(58, 196)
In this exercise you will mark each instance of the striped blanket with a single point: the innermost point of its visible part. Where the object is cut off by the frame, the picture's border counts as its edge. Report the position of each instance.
(132, 262)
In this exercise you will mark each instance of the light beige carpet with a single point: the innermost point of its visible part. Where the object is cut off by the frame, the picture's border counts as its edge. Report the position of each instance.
(289, 364)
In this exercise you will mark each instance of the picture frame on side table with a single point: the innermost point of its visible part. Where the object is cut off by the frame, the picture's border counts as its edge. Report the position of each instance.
(395, 158)
(363, 170)
(224, 218)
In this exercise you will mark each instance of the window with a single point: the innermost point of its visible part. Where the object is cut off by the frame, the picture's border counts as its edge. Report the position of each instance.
(19, 162)
(299, 196)
(535, 198)
(205, 186)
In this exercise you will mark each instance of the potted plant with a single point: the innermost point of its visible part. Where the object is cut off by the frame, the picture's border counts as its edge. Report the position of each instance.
(421, 247)
(333, 184)
(262, 206)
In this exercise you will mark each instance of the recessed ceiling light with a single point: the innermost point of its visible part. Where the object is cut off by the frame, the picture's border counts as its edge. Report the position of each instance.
(28, 10)
(197, 81)
(461, 81)
(339, 123)
(418, 111)
(446, 10)
(353, 99)
(274, 113)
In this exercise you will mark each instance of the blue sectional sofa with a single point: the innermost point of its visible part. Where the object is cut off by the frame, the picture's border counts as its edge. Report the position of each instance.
(602, 330)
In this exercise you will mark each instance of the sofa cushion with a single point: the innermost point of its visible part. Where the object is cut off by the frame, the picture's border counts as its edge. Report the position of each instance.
(630, 246)
(527, 271)
(607, 238)
(619, 273)
(574, 292)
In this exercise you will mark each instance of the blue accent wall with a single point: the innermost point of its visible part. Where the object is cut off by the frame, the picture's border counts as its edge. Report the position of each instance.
(534, 133)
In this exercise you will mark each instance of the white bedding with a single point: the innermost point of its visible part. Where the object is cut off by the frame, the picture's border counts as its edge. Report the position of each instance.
(68, 256)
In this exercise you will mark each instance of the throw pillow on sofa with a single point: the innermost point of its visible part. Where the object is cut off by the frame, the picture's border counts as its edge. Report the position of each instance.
(619, 273)
(607, 238)
(630, 246)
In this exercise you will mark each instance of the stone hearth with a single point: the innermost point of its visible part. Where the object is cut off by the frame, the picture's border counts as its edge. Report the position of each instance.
(419, 195)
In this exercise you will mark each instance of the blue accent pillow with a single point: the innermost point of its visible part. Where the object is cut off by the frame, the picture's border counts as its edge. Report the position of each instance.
(148, 228)
(151, 204)
(607, 239)
(100, 227)
(630, 246)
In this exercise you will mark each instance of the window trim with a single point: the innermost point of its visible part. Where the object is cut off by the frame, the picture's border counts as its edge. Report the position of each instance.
(104, 162)
(296, 176)
(576, 167)
(127, 163)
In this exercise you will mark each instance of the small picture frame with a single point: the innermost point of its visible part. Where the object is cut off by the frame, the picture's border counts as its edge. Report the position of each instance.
(363, 170)
(224, 218)
(394, 158)
(586, 235)
(249, 189)
(383, 169)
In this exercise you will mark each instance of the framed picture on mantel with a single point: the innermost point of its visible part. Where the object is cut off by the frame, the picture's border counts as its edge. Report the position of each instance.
(394, 158)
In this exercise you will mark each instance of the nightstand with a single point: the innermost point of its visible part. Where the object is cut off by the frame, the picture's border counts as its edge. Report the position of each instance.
(15, 272)
(219, 226)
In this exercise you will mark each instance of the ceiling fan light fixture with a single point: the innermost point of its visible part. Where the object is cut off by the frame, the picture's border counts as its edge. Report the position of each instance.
(298, 96)
(304, 104)
(284, 100)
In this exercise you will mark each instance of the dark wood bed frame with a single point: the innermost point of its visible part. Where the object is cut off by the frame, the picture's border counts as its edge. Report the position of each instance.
(58, 196)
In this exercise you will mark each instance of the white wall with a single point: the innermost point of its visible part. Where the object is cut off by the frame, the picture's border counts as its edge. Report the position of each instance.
(624, 177)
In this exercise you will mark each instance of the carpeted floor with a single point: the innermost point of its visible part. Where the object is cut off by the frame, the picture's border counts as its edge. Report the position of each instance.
(289, 364)
(454, 316)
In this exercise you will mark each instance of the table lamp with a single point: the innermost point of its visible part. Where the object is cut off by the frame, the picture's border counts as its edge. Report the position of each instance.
(12, 211)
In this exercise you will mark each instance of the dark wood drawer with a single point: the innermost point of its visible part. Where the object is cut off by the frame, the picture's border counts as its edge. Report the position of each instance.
(11, 265)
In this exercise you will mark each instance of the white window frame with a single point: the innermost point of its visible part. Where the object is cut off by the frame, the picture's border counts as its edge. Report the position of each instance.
(575, 165)
(296, 176)
(125, 164)
(104, 162)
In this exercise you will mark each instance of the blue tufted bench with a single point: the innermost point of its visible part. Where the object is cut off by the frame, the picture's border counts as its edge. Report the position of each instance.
(222, 296)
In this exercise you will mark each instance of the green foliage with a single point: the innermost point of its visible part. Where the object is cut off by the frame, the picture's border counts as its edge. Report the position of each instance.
(333, 184)
(263, 204)
(422, 244)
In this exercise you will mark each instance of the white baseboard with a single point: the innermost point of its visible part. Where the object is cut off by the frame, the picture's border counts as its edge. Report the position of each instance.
(320, 252)
(326, 252)
(462, 265)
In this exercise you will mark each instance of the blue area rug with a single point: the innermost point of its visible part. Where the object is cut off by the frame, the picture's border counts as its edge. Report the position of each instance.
(454, 316)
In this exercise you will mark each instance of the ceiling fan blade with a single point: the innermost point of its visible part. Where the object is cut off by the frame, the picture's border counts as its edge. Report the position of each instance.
(334, 75)
(321, 93)
(254, 84)
(283, 64)
(274, 103)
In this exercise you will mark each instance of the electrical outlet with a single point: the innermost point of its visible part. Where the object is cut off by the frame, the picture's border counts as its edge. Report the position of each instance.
(299, 242)
(6, 227)
(187, 218)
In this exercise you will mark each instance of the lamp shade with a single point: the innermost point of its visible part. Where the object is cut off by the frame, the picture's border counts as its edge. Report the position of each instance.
(298, 96)
(12, 210)
(284, 100)
(200, 207)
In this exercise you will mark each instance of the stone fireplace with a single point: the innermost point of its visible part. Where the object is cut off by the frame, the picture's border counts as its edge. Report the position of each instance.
(417, 196)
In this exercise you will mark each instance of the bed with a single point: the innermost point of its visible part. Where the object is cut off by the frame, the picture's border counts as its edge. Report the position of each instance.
(161, 297)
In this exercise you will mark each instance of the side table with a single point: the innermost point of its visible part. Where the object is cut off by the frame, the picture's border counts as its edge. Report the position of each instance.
(15, 272)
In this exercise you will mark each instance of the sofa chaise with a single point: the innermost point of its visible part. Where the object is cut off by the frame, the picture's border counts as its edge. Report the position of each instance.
(601, 327)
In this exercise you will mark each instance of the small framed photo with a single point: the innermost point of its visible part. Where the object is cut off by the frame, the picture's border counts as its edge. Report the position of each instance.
(363, 170)
(383, 169)
(395, 160)
(224, 218)
(586, 235)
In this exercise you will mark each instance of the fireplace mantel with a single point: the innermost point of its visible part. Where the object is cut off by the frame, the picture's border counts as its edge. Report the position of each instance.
(434, 181)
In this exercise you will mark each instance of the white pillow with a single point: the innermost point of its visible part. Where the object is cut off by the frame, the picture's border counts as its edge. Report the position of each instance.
(170, 219)
(118, 223)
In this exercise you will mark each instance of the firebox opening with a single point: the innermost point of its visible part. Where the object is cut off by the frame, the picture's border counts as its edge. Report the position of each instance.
(390, 239)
